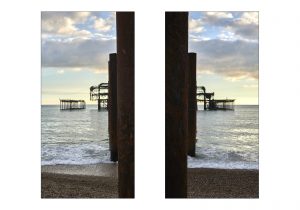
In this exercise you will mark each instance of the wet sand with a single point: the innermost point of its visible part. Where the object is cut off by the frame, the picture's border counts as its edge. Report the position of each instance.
(80, 181)
(222, 183)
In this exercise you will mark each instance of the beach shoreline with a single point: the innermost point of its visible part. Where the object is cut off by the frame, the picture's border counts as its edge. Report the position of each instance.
(101, 181)
(223, 183)
(80, 181)
(99, 169)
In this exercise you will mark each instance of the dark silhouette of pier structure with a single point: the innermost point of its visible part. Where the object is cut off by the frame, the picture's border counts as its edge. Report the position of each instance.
(69, 104)
(209, 103)
(99, 93)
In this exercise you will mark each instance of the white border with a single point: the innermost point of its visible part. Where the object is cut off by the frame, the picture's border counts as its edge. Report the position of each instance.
(20, 104)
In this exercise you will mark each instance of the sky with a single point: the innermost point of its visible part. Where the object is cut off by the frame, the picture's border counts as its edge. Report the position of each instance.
(75, 52)
(226, 44)
(76, 47)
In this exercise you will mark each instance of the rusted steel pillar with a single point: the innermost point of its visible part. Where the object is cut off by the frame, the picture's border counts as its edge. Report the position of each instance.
(176, 103)
(112, 107)
(125, 98)
(192, 105)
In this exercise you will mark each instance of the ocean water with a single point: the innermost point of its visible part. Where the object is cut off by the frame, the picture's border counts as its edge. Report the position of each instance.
(227, 139)
(74, 137)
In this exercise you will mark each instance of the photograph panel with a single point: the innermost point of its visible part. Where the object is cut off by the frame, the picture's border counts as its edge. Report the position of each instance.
(212, 111)
(87, 110)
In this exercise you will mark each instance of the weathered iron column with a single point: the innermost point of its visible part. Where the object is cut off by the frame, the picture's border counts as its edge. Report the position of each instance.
(112, 106)
(125, 98)
(176, 103)
(192, 105)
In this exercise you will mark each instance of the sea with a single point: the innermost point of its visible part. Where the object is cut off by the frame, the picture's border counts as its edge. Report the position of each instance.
(74, 137)
(225, 139)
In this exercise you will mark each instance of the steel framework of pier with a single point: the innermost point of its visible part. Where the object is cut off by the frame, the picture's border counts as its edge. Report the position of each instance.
(100, 93)
(69, 104)
(210, 103)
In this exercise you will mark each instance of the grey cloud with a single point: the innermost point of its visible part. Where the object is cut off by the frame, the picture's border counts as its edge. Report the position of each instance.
(78, 53)
(230, 58)
(249, 31)
(218, 20)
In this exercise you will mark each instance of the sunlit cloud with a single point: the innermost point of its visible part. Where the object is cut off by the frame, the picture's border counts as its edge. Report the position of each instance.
(104, 25)
(196, 26)
(63, 23)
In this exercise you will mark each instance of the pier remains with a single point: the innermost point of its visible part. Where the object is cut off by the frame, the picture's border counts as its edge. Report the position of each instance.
(100, 93)
(69, 104)
(209, 103)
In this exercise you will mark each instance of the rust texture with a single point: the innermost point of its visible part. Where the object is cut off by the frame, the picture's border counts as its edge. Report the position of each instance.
(192, 105)
(176, 103)
(125, 107)
(112, 106)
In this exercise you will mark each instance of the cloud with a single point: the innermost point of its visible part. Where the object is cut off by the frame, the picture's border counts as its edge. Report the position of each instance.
(219, 15)
(77, 41)
(196, 25)
(227, 36)
(233, 59)
(77, 54)
(104, 25)
(216, 18)
(249, 18)
(197, 38)
(244, 27)
(65, 26)
(62, 23)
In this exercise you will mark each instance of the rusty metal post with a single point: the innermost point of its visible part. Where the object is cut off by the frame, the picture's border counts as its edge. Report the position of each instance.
(176, 103)
(125, 98)
(112, 106)
(192, 105)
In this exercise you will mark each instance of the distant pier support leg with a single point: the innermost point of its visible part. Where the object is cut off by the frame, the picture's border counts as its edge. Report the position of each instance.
(99, 105)
(125, 98)
(112, 107)
(192, 105)
(176, 103)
